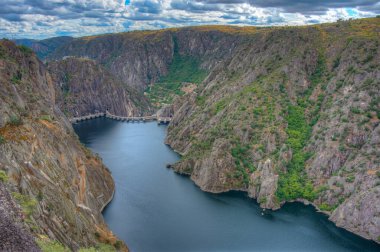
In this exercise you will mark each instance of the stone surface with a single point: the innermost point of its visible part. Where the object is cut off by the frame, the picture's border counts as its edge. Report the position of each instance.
(44, 159)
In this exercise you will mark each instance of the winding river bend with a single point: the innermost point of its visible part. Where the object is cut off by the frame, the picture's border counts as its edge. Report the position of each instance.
(155, 209)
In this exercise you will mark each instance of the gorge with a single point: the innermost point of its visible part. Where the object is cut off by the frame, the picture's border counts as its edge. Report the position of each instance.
(282, 113)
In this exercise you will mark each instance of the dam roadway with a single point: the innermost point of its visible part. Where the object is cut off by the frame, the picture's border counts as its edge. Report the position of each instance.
(160, 120)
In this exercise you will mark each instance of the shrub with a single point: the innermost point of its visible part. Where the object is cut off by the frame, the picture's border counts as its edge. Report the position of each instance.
(2, 139)
(200, 101)
(27, 204)
(15, 120)
(16, 78)
(46, 118)
(3, 176)
(350, 179)
(26, 50)
(118, 244)
(263, 200)
(356, 110)
(326, 207)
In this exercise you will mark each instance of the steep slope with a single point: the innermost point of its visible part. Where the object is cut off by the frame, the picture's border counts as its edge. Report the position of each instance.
(140, 58)
(292, 114)
(44, 47)
(83, 87)
(61, 186)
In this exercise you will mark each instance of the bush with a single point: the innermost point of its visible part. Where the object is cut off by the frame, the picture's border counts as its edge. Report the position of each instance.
(27, 204)
(3, 176)
(46, 118)
(16, 78)
(2, 139)
(350, 179)
(326, 207)
(356, 110)
(118, 244)
(200, 101)
(15, 120)
(26, 50)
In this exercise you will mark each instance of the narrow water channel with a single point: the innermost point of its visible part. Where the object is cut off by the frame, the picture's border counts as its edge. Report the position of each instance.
(155, 209)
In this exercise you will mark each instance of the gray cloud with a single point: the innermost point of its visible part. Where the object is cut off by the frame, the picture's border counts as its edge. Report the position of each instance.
(301, 6)
(44, 18)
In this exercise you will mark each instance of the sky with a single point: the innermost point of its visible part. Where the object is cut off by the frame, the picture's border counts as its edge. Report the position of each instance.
(39, 19)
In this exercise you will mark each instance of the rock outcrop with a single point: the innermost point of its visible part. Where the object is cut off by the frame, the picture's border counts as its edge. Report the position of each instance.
(60, 185)
(84, 87)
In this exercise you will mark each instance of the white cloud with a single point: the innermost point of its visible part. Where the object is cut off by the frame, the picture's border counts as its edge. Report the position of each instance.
(41, 19)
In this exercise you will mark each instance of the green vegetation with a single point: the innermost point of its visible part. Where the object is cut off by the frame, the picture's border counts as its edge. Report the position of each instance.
(48, 245)
(200, 101)
(16, 78)
(183, 69)
(2, 139)
(26, 50)
(243, 162)
(46, 118)
(15, 120)
(27, 204)
(3, 176)
(294, 184)
(219, 106)
(326, 207)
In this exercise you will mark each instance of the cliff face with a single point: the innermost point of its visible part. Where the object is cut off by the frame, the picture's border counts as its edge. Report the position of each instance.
(59, 184)
(292, 114)
(84, 87)
(141, 58)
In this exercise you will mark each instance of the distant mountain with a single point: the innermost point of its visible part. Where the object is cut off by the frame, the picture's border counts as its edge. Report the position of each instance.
(44, 47)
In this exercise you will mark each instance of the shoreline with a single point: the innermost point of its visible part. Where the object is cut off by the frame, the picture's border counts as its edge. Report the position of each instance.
(110, 198)
(303, 201)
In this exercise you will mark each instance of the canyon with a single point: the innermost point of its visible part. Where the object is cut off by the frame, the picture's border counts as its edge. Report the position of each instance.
(282, 113)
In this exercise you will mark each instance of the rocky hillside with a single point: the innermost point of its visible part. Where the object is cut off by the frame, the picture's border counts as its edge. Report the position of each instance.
(84, 87)
(141, 58)
(59, 184)
(292, 114)
(44, 47)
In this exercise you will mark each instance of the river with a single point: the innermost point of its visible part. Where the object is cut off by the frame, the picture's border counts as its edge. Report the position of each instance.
(155, 209)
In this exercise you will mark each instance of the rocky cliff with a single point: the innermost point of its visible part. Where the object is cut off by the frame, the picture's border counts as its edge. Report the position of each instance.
(140, 58)
(292, 114)
(84, 87)
(59, 184)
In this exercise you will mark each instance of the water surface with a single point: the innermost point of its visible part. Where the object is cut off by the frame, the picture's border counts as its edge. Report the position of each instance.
(155, 209)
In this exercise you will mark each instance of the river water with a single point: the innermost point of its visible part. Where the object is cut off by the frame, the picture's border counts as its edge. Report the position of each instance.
(155, 209)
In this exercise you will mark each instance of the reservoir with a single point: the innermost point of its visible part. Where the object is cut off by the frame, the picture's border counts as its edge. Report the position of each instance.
(155, 209)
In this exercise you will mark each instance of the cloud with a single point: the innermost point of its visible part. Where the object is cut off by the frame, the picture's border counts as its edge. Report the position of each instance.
(47, 18)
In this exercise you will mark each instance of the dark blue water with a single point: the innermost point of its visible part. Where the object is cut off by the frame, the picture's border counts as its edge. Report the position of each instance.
(155, 209)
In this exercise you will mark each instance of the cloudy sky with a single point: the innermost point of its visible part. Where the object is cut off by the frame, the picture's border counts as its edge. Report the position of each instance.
(49, 18)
